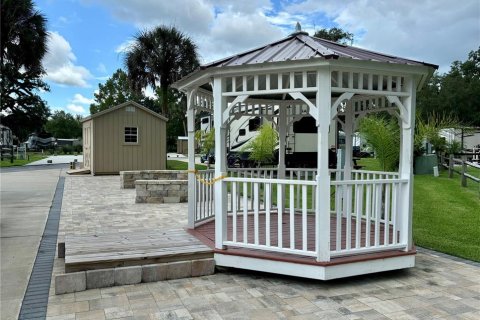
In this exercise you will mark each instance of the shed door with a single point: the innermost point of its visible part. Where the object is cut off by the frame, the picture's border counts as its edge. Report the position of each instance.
(87, 145)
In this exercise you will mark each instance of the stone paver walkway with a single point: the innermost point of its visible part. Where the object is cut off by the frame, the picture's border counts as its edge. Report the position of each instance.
(438, 287)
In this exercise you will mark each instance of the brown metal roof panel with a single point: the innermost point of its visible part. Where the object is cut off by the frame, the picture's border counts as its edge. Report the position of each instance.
(269, 54)
(289, 52)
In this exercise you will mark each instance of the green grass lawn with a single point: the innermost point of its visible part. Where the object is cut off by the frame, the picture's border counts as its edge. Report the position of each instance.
(181, 165)
(31, 158)
(446, 216)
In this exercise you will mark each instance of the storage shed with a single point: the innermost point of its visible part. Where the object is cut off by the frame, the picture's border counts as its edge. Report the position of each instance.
(125, 137)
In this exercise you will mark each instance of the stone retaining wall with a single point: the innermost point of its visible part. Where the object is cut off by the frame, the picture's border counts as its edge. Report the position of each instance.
(161, 191)
(102, 278)
(128, 178)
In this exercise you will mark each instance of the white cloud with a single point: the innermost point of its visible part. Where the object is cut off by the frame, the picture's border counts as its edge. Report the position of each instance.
(433, 31)
(59, 63)
(76, 109)
(78, 98)
(234, 32)
(192, 16)
(124, 46)
(101, 68)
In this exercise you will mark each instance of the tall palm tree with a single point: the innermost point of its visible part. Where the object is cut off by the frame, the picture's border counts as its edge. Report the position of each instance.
(159, 57)
(23, 45)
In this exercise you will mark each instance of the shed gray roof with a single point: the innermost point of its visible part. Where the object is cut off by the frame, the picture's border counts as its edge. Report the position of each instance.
(128, 103)
(301, 46)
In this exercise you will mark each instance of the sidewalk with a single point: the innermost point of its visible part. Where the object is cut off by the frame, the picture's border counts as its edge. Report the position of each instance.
(438, 287)
(26, 197)
(57, 160)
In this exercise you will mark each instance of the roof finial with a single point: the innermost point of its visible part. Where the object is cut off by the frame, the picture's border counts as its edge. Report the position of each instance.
(298, 27)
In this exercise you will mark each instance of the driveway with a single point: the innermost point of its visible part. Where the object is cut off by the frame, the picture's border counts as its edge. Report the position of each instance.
(26, 197)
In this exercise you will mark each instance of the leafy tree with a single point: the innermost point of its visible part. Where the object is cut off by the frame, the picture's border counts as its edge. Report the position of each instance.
(429, 131)
(206, 141)
(24, 123)
(115, 91)
(23, 45)
(64, 125)
(455, 93)
(383, 134)
(263, 145)
(335, 35)
(159, 57)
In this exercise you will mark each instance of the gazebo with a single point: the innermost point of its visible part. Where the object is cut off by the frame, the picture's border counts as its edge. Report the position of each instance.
(317, 223)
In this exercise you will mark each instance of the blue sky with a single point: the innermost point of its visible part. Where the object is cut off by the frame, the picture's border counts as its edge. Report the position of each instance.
(88, 37)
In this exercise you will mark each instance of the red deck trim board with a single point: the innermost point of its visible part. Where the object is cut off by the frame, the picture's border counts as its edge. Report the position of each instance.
(206, 234)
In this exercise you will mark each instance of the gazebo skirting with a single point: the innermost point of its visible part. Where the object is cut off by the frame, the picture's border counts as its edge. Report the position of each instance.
(271, 224)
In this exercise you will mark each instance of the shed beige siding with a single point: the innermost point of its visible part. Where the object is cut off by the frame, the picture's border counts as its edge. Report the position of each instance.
(111, 153)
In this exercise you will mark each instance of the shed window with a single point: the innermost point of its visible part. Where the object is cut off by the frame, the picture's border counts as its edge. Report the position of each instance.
(131, 135)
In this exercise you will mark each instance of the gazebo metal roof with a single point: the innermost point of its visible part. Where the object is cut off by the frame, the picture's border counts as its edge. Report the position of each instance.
(301, 46)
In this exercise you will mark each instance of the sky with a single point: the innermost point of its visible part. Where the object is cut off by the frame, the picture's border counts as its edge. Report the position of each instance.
(88, 38)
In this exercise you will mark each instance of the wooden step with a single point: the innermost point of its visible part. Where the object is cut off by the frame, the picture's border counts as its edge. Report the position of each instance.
(101, 251)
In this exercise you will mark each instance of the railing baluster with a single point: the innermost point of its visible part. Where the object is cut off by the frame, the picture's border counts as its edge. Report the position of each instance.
(292, 217)
(202, 198)
(234, 212)
(297, 187)
(280, 196)
(268, 205)
(378, 210)
(245, 212)
(256, 197)
(348, 231)
(368, 210)
(304, 217)
(358, 214)
(386, 221)
(394, 212)
(338, 209)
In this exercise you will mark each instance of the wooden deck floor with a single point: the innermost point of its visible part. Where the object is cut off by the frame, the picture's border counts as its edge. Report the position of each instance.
(206, 233)
(87, 252)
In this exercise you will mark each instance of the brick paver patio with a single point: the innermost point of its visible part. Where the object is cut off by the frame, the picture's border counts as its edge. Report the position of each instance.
(438, 287)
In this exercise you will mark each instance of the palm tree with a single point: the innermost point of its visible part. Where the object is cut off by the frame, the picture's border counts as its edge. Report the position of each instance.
(158, 58)
(23, 45)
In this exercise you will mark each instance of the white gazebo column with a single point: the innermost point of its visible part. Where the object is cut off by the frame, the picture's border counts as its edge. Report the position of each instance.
(282, 137)
(348, 130)
(220, 188)
(406, 163)
(191, 161)
(322, 214)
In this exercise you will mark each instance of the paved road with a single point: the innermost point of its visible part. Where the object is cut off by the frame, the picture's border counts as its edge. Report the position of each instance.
(26, 197)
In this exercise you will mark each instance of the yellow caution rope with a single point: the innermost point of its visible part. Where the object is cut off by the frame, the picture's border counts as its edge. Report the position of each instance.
(204, 181)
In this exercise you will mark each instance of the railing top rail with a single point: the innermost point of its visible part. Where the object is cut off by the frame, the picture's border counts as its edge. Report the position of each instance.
(376, 172)
(205, 171)
(472, 164)
(252, 169)
(276, 181)
(302, 169)
(373, 181)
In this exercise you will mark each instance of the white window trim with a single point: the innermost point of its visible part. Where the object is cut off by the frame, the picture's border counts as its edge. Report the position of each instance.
(137, 136)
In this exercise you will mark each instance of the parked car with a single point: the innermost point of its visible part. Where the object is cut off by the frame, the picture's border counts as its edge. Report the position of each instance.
(209, 157)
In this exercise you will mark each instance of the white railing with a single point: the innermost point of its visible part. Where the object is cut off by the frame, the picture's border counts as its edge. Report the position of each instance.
(373, 175)
(258, 225)
(367, 214)
(204, 195)
(268, 213)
